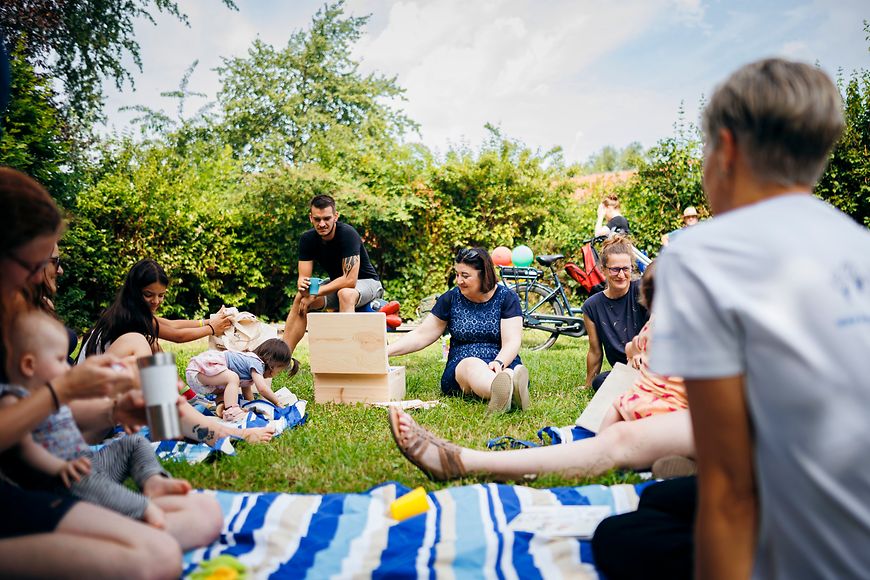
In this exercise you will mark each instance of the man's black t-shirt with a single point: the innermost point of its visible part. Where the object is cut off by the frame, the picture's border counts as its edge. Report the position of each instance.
(619, 225)
(616, 321)
(329, 255)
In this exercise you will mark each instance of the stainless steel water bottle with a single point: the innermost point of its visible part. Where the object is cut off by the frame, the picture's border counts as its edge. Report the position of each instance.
(159, 377)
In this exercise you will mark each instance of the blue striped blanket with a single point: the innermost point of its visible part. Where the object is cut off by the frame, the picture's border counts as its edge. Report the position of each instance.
(260, 413)
(465, 535)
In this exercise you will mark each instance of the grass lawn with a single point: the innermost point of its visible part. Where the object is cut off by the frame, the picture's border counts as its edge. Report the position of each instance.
(348, 448)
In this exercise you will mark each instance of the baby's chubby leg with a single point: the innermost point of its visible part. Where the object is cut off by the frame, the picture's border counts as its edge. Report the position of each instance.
(229, 381)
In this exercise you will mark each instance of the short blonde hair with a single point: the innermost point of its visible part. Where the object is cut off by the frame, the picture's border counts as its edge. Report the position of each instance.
(785, 118)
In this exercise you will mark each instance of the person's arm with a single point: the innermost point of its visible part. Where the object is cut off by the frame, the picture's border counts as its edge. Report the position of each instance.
(39, 458)
(189, 330)
(350, 273)
(511, 339)
(305, 269)
(264, 388)
(594, 355)
(727, 518)
(419, 338)
(95, 377)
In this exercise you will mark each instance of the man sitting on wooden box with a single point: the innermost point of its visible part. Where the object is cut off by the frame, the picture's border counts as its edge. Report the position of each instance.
(338, 249)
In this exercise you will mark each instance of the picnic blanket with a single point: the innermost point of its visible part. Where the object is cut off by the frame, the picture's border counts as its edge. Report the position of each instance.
(260, 413)
(466, 534)
(546, 436)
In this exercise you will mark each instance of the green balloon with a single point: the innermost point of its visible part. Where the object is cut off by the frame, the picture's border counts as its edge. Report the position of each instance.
(522, 256)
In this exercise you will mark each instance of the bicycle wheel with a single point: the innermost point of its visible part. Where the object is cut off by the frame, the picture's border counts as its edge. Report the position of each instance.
(530, 295)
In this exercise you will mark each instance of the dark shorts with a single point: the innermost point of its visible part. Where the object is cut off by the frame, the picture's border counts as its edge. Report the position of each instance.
(28, 512)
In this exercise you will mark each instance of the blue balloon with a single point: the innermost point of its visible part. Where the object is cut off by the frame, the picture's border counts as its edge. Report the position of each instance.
(522, 256)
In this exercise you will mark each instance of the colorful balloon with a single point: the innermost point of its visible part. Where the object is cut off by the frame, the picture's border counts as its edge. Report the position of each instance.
(522, 256)
(501, 256)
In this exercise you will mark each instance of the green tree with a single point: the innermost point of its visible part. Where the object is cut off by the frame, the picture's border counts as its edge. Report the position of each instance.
(846, 182)
(82, 42)
(32, 137)
(308, 102)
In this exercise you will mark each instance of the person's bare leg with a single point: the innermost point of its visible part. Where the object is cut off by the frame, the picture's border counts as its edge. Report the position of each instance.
(92, 542)
(475, 376)
(194, 520)
(199, 427)
(625, 444)
(611, 417)
(295, 325)
(230, 383)
(347, 299)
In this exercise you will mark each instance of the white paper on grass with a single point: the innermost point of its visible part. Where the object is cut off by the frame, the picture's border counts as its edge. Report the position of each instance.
(559, 521)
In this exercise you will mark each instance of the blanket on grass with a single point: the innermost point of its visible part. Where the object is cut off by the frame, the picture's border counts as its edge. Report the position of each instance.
(465, 534)
(547, 436)
(260, 413)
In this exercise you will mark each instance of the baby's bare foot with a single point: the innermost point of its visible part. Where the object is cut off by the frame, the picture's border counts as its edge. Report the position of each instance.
(158, 485)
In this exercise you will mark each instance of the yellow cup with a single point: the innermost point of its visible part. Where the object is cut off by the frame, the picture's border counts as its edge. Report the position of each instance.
(413, 503)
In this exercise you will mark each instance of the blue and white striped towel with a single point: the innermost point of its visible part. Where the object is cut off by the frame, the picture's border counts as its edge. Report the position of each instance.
(465, 535)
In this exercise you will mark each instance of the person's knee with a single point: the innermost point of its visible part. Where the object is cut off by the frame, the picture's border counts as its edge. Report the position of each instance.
(209, 515)
(347, 296)
(157, 555)
(620, 436)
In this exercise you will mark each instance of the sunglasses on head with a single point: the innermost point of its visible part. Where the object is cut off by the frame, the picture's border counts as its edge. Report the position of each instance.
(467, 254)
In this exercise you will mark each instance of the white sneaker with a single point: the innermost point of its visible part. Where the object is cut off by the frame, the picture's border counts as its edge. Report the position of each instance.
(501, 393)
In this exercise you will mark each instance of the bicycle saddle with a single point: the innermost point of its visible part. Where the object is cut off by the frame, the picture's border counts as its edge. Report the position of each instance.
(550, 259)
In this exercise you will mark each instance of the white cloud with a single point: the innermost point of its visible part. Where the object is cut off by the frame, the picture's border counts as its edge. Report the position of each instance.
(577, 73)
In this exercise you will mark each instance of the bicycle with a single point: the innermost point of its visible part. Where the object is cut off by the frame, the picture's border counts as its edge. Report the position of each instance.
(547, 312)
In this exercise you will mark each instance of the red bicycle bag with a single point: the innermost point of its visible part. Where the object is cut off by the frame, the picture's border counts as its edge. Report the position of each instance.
(589, 276)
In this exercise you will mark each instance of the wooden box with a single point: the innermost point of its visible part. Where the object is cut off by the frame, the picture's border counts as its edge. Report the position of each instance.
(348, 353)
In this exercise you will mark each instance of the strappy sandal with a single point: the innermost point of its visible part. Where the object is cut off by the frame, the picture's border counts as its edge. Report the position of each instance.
(448, 453)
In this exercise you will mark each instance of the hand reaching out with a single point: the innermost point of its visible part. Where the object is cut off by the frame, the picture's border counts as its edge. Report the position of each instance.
(73, 471)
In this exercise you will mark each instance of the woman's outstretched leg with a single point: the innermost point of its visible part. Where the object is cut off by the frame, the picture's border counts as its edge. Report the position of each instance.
(626, 444)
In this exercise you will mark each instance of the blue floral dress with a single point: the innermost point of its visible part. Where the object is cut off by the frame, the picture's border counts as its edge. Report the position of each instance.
(475, 329)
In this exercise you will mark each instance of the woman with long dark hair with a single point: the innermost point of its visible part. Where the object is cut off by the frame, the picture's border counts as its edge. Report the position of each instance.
(130, 327)
(47, 535)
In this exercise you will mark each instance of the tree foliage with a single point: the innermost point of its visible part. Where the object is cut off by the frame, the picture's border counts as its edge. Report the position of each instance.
(82, 42)
(307, 102)
(846, 182)
(32, 139)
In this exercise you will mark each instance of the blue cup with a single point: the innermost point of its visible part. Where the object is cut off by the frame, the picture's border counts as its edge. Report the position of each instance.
(314, 286)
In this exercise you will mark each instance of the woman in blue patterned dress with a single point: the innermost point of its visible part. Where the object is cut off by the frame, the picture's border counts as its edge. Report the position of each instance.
(485, 322)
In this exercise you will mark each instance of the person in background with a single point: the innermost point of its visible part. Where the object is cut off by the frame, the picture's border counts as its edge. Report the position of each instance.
(690, 218)
(609, 210)
(485, 322)
(647, 423)
(339, 250)
(614, 316)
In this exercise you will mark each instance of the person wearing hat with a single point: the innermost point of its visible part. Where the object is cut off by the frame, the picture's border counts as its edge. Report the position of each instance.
(690, 218)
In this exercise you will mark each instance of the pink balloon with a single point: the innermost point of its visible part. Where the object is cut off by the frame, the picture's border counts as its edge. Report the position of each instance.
(501, 256)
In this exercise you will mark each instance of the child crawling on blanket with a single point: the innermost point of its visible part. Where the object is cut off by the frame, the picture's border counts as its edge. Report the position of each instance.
(38, 348)
(228, 373)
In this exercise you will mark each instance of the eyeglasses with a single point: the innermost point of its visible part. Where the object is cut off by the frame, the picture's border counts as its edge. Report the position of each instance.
(55, 261)
(32, 268)
(615, 271)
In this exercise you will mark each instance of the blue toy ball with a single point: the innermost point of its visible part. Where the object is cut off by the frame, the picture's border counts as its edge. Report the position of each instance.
(522, 256)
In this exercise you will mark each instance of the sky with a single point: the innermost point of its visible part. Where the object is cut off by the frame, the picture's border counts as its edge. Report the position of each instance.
(579, 74)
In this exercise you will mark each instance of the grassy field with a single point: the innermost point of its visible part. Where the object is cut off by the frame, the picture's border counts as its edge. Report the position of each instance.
(347, 448)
